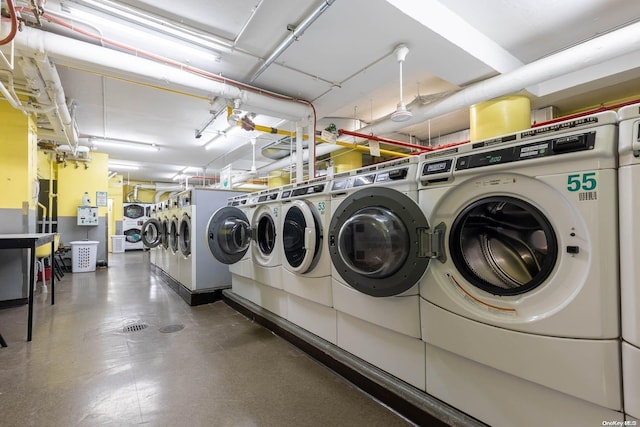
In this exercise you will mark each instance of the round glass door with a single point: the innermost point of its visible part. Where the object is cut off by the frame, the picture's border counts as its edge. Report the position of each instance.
(301, 237)
(375, 241)
(165, 232)
(185, 235)
(228, 234)
(503, 245)
(151, 233)
(266, 234)
(174, 236)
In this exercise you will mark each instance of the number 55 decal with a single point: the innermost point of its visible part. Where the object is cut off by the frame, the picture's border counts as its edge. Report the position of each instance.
(586, 182)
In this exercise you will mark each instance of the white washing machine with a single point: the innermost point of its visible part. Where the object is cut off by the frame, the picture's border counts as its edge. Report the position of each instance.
(134, 216)
(230, 235)
(520, 309)
(306, 263)
(151, 234)
(629, 199)
(376, 241)
(266, 244)
(173, 251)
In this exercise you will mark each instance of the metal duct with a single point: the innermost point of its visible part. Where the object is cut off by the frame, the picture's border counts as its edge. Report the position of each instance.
(74, 53)
(589, 53)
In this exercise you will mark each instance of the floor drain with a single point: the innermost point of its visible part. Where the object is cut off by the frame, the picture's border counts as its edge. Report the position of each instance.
(135, 327)
(171, 328)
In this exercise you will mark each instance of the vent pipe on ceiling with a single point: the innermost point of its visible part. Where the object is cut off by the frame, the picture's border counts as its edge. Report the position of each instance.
(88, 57)
(595, 51)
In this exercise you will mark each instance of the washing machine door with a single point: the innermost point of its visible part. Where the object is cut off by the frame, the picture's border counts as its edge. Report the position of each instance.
(377, 239)
(174, 234)
(166, 229)
(264, 234)
(228, 234)
(134, 211)
(503, 245)
(184, 241)
(301, 236)
(151, 233)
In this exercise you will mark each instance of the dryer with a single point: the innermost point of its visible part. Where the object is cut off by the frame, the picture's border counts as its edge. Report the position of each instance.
(306, 263)
(134, 216)
(377, 243)
(629, 199)
(230, 234)
(523, 295)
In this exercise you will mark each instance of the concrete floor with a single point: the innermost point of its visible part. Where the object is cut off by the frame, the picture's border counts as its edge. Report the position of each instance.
(222, 369)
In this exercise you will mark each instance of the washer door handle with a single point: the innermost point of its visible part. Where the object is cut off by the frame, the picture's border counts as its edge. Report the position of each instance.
(309, 238)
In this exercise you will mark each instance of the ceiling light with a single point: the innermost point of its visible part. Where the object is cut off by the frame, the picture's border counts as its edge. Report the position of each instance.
(120, 166)
(401, 114)
(121, 143)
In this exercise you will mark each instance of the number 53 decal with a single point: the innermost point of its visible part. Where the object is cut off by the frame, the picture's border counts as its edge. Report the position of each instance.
(585, 181)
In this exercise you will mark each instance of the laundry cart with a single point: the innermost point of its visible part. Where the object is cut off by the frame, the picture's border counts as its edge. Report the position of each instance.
(83, 256)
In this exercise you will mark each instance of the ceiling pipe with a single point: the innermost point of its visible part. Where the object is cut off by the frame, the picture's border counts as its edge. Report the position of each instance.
(595, 51)
(104, 61)
(292, 37)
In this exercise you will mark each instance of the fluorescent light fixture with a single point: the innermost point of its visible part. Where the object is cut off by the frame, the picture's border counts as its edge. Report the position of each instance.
(121, 166)
(157, 23)
(121, 143)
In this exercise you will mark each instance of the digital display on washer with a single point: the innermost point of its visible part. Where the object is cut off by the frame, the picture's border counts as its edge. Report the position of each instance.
(286, 194)
(488, 158)
(437, 167)
(339, 185)
(359, 181)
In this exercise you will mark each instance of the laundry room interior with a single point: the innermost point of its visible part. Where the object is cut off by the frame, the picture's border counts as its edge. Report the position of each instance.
(319, 213)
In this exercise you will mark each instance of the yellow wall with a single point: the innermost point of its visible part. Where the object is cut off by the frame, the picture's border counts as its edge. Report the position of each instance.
(144, 195)
(18, 162)
(73, 182)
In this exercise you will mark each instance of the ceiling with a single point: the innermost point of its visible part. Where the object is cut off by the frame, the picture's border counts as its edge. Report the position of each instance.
(344, 63)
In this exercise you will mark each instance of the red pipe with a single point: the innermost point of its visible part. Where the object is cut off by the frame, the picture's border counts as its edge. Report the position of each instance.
(385, 140)
(14, 24)
(586, 113)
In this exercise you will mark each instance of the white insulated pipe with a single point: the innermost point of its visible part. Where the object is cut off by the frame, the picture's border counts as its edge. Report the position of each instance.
(92, 58)
(608, 46)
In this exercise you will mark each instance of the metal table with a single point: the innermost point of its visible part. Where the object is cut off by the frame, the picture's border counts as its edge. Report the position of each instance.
(30, 241)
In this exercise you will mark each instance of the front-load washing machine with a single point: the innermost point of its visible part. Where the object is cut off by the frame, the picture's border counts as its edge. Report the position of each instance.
(266, 245)
(163, 217)
(378, 242)
(173, 252)
(150, 234)
(231, 235)
(520, 310)
(629, 199)
(306, 272)
(200, 277)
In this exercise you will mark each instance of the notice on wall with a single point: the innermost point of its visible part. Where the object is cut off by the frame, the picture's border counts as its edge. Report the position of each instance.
(374, 148)
(101, 198)
(329, 137)
(225, 177)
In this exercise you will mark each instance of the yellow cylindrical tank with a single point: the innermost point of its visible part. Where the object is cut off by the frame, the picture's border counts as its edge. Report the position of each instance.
(499, 116)
(346, 160)
(278, 178)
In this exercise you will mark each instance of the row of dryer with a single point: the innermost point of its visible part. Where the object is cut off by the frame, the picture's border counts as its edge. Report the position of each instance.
(486, 275)
(171, 235)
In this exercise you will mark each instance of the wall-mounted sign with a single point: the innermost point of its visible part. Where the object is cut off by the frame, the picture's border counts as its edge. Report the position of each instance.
(101, 198)
(225, 177)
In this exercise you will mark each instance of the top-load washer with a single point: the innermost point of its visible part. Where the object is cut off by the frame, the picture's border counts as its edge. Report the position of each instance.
(377, 241)
(629, 199)
(523, 295)
(306, 272)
